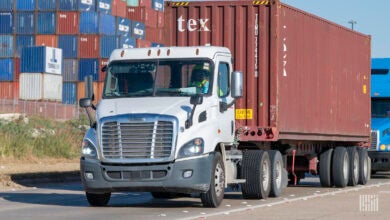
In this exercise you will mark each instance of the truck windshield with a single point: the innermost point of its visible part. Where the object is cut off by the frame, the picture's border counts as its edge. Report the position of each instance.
(158, 78)
(380, 108)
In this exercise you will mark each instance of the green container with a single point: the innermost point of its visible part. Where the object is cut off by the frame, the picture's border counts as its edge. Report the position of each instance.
(132, 3)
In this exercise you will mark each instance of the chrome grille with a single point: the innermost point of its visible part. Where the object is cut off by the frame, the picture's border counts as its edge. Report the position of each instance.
(137, 140)
(374, 139)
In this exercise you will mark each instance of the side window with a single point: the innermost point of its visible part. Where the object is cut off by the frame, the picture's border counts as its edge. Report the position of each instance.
(223, 79)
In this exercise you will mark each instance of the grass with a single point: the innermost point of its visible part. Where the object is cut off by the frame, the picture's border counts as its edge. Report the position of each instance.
(37, 137)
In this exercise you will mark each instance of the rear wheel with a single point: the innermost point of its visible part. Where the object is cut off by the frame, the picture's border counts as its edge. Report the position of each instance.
(363, 166)
(256, 170)
(214, 196)
(354, 166)
(95, 199)
(276, 173)
(326, 177)
(340, 167)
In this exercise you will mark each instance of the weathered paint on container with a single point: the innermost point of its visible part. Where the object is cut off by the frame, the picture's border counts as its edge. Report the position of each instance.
(154, 34)
(107, 24)
(295, 87)
(88, 67)
(158, 5)
(89, 46)
(6, 46)
(23, 41)
(87, 5)
(135, 13)
(89, 22)
(104, 6)
(6, 22)
(119, 8)
(68, 22)
(6, 69)
(46, 5)
(41, 60)
(6, 5)
(40, 86)
(138, 30)
(123, 26)
(46, 40)
(143, 43)
(24, 23)
(107, 45)
(68, 5)
(46, 23)
(126, 42)
(70, 70)
(69, 45)
(132, 3)
(9, 90)
(69, 93)
(25, 5)
(97, 91)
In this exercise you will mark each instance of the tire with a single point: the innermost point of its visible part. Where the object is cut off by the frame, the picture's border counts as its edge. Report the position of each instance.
(353, 166)
(98, 199)
(256, 170)
(164, 195)
(340, 167)
(364, 166)
(276, 173)
(214, 196)
(326, 177)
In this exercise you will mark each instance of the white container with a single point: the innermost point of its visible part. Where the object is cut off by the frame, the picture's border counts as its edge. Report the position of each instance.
(40, 86)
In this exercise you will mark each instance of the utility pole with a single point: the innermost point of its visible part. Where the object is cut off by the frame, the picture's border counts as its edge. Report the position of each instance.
(352, 22)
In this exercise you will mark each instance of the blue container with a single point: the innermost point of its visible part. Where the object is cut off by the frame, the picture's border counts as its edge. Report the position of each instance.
(25, 5)
(71, 70)
(106, 24)
(46, 23)
(6, 69)
(138, 30)
(157, 45)
(6, 23)
(107, 45)
(24, 23)
(6, 5)
(87, 5)
(6, 46)
(23, 41)
(104, 6)
(88, 67)
(68, 5)
(126, 42)
(46, 5)
(158, 5)
(69, 93)
(89, 23)
(69, 45)
(41, 60)
(123, 26)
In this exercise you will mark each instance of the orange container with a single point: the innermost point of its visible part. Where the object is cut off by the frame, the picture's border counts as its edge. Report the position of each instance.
(9, 90)
(46, 40)
(97, 91)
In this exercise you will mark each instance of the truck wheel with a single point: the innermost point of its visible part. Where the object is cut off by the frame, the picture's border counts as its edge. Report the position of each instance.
(256, 170)
(363, 166)
(354, 166)
(276, 173)
(214, 196)
(98, 199)
(325, 168)
(164, 195)
(340, 167)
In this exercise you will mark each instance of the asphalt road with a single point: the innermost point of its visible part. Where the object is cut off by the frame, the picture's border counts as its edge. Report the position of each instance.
(306, 201)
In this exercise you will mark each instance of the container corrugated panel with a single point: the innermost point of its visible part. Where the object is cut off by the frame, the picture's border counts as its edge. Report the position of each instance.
(150, 19)
(68, 22)
(158, 5)
(69, 45)
(6, 69)
(9, 90)
(89, 46)
(89, 23)
(127, 42)
(46, 40)
(87, 5)
(46, 5)
(160, 19)
(6, 5)
(123, 26)
(119, 8)
(145, 3)
(143, 43)
(104, 6)
(132, 3)
(102, 75)
(68, 5)
(154, 34)
(138, 30)
(97, 91)
(25, 5)
(6, 22)
(304, 88)
(135, 13)
(107, 24)
(16, 70)
(24, 22)
(107, 45)
(6, 45)
(41, 60)
(71, 70)
(69, 93)
(46, 23)
(40, 86)
(88, 67)
(23, 41)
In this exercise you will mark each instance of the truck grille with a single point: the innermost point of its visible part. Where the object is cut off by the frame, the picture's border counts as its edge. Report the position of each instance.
(374, 139)
(137, 140)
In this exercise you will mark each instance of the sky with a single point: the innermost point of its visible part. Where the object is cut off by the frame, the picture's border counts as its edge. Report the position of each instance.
(372, 18)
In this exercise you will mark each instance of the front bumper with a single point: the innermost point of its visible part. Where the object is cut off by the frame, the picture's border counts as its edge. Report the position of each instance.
(380, 160)
(147, 178)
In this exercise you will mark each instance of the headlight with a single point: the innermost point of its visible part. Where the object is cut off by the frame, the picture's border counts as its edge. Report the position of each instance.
(88, 150)
(193, 148)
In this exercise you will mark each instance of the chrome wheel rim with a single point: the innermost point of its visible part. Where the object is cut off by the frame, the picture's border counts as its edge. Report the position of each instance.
(219, 180)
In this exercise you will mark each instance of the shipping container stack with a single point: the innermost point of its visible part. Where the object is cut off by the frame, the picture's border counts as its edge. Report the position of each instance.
(86, 31)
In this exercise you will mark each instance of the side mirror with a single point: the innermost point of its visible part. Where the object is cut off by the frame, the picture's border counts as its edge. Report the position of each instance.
(237, 82)
(104, 68)
(196, 100)
(85, 102)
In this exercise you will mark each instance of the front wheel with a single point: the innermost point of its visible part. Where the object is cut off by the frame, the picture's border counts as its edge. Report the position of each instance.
(214, 196)
(98, 199)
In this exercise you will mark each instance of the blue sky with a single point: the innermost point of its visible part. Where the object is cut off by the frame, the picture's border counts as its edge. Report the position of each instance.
(372, 17)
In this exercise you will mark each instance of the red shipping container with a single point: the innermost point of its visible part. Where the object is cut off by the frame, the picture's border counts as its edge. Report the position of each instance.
(150, 17)
(160, 19)
(46, 40)
(145, 3)
(89, 46)
(119, 8)
(135, 13)
(68, 22)
(143, 43)
(17, 69)
(155, 35)
(9, 90)
(102, 75)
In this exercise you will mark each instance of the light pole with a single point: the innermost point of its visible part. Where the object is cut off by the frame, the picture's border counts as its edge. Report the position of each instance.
(352, 22)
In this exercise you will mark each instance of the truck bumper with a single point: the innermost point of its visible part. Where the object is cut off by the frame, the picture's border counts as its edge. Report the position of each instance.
(99, 178)
(380, 160)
